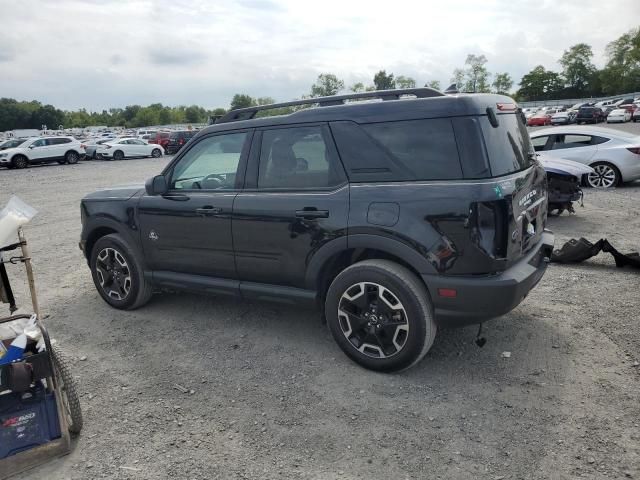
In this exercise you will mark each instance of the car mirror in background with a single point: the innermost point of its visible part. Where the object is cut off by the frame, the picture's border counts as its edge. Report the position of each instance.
(156, 185)
(31, 146)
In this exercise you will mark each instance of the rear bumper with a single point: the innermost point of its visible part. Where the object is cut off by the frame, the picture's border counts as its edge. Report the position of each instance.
(481, 298)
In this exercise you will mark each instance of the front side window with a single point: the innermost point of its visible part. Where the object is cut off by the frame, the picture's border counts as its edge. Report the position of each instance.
(39, 143)
(211, 164)
(300, 157)
(539, 142)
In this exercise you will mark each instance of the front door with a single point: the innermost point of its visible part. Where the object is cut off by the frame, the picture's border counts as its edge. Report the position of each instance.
(295, 200)
(39, 150)
(188, 230)
(572, 146)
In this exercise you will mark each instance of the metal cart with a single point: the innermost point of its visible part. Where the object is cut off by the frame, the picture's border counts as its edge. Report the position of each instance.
(48, 371)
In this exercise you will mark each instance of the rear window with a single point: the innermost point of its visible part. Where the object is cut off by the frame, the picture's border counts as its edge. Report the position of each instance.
(508, 146)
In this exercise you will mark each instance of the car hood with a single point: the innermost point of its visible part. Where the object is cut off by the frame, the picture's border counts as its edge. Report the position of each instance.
(11, 151)
(563, 166)
(121, 192)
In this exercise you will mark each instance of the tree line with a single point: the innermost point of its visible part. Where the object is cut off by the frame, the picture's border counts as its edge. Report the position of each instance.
(579, 78)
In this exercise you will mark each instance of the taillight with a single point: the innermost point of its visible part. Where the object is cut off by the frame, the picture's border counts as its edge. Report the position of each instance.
(635, 150)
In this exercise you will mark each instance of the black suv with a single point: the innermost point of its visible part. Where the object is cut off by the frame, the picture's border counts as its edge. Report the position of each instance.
(590, 115)
(393, 216)
(178, 139)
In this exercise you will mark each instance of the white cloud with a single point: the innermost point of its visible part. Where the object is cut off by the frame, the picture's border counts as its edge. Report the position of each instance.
(104, 53)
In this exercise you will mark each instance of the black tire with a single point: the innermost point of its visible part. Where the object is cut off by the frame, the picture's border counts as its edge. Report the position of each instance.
(412, 300)
(111, 277)
(71, 157)
(61, 162)
(68, 391)
(156, 153)
(20, 161)
(118, 155)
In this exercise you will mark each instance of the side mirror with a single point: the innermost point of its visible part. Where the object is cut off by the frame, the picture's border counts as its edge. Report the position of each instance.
(156, 185)
(31, 147)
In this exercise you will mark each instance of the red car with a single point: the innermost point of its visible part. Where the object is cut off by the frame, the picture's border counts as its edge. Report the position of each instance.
(539, 120)
(160, 138)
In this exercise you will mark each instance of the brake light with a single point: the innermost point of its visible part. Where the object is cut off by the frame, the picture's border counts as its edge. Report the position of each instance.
(504, 107)
(635, 150)
(82, 145)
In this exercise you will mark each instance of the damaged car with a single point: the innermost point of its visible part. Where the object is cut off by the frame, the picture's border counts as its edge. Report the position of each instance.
(563, 183)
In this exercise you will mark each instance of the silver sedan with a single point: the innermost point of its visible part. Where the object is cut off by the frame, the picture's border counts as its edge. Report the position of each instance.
(614, 155)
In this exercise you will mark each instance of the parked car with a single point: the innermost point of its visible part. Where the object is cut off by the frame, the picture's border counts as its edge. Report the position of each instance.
(636, 115)
(540, 119)
(607, 110)
(12, 143)
(59, 149)
(160, 138)
(178, 139)
(563, 118)
(563, 182)
(589, 115)
(122, 148)
(91, 146)
(613, 154)
(369, 210)
(619, 115)
(145, 131)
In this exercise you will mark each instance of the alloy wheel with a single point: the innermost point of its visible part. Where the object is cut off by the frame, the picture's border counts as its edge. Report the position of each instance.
(604, 176)
(114, 274)
(373, 320)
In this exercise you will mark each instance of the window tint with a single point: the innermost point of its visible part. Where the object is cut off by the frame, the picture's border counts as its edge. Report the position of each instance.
(39, 143)
(508, 145)
(539, 142)
(211, 164)
(300, 157)
(425, 149)
(571, 141)
(598, 140)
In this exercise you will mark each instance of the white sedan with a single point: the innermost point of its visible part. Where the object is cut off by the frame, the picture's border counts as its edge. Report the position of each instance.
(121, 148)
(614, 155)
(619, 115)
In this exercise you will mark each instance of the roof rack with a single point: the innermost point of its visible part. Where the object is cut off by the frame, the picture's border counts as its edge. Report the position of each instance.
(250, 112)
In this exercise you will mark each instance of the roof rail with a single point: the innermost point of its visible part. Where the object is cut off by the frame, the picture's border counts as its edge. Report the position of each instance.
(250, 112)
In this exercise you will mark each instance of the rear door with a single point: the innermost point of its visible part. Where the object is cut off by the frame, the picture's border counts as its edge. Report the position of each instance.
(296, 199)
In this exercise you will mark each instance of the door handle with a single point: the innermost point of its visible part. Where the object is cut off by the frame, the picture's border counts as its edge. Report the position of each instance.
(310, 213)
(208, 210)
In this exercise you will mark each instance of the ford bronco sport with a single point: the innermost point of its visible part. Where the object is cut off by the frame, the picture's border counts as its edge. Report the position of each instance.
(394, 216)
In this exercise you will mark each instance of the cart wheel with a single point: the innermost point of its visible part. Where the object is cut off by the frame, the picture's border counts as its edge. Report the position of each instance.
(68, 392)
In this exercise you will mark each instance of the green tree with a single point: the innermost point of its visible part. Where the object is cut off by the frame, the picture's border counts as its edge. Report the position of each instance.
(458, 78)
(433, 84)
(622, 71)
(502, 83)
(326, 85)
(265, 101)
(577, 67)
(540, 84)
(476, 74)
(242, 100)
(357, 87)
(405, 82)
(382, 81)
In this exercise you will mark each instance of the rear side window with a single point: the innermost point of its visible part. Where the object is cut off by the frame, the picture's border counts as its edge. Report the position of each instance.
(405, 150)
(508, 145)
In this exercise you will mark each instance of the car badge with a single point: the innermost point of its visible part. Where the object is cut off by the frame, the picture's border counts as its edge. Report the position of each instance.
(153, 235)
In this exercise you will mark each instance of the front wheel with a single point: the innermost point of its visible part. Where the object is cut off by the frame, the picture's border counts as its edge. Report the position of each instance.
(604, 175)
(156, 153)
(118, 155)
(381, 316)
(117, 273)
(20, 161)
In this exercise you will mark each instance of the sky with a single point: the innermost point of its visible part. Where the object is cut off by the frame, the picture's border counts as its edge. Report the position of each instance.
(97, 54)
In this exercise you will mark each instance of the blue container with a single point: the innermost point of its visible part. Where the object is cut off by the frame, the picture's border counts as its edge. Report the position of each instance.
(27, 420)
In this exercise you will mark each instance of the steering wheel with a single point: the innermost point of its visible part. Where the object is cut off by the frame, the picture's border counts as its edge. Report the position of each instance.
(215, 178)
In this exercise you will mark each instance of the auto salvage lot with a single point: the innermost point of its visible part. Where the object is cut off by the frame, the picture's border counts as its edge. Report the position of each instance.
(197, 387)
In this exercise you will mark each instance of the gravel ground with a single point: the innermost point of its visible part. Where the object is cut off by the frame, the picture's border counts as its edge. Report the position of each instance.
(197, 387)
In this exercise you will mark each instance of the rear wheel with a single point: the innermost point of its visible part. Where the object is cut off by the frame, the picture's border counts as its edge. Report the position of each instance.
(118, 155)
(605, 175)
(20, 161)
(68, 391)
(117, 273)
(72, 158)
(380, 315)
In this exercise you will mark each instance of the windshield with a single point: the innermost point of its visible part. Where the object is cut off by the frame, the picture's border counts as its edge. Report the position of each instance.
(12, 143)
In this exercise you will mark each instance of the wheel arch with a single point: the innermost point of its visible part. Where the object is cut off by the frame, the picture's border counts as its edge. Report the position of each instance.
(593, 162)
(337, 255)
